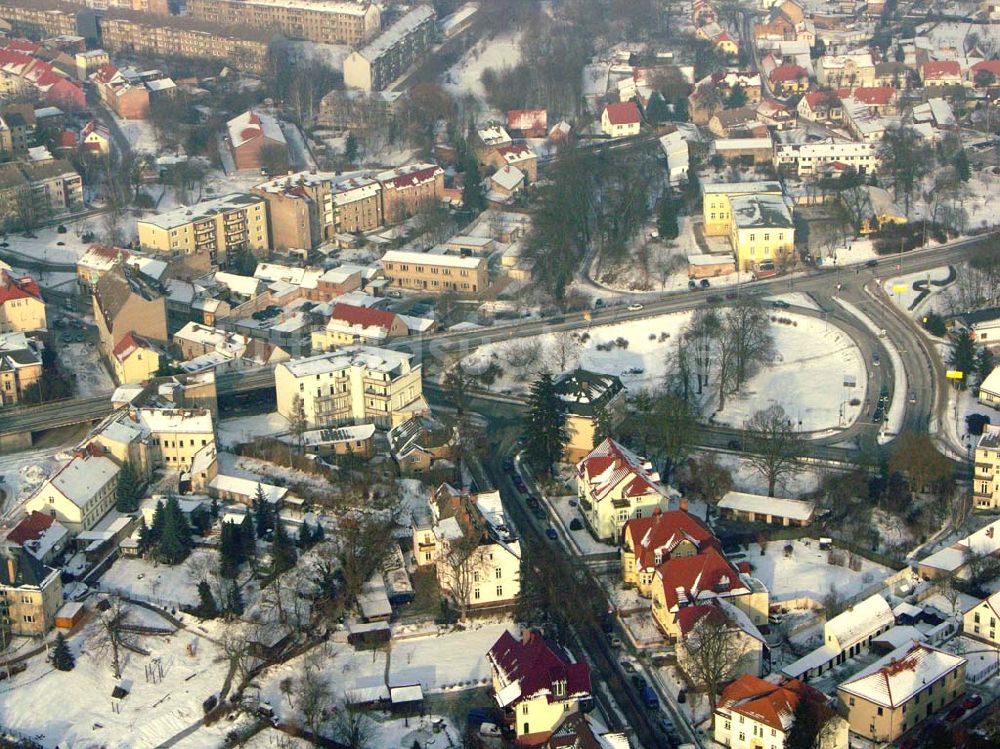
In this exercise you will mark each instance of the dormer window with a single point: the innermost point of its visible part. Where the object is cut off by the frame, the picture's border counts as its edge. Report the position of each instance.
(559, 687)
(658, 557)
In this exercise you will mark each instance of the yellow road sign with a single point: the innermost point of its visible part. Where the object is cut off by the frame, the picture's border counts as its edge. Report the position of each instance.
(954, 374)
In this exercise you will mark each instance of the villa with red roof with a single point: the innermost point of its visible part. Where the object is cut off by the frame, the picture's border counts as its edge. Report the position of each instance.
(650, 541)
(615, 485)
(39, 534)
(705, 623)
(750, 708)
(249, 134)
(789, 79)
(681, 582)
(537, 686)
(22, 308)
(987, 68)
(517, 155)
(350, 324)
(941, 73)
(528, 123)
(620, 120)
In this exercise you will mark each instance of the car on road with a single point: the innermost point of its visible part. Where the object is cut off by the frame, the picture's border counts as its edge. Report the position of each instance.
(735, 445)
(692, 284)
(714, 299)
(730, 295)
(551, 533)
(649, 698)
(704, 283)
(627, 667)
(532, 500)
(638, 681)
(972, 701)
(682, 696)
(780, 304)
(538, 512)
(876, 359)
(519, 483)
(872, 264)
(634, 307)
(508, 465)
(912, 397)
(955, 713)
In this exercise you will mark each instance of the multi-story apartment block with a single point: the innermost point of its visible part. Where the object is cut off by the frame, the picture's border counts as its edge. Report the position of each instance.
(181, 38)
(762, 229)
(901, 690)
(30, 594)
(717, 212)
(477, 558)
(408, 189)
(615, 485)
(81, 492)
(436, 273)
(215, 229)
(324, 21)
(20, 366)
(805, 159)
(124, 303)
(537, 686)
(13, 134)
(986, 481)
(38, 22)
(354, 385)
(309, 208)
(385, 58)
(52, 187)
(22, 308)
(179, 437)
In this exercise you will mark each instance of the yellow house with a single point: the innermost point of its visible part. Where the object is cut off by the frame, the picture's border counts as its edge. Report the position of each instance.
(878, 210)
(350, 324)
(615, 485)
(21, 306)
(80, 493)
(178, 436)
(704, 622)
(649, 542)
(589, 397)
(986, 481)
(135, 359)
(980, 622)
(30, 594)
(688, 581)
(716, 209)
(901, 690)
(537, 687)
(761, 230)
(20, 366)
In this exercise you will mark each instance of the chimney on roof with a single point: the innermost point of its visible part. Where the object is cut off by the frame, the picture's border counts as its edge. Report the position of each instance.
(526, 635)
(989, 532)
(682, 504)
(657, 512)
(11, 568)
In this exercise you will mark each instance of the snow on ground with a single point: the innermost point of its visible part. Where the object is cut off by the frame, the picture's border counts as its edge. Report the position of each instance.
(331, 55)
(807, 573)
(746, 478)
(140, 134)
(582, 538)
(64, 281)
(261, 470)
(983, 187)
(796, 299)
(80, 710)
(161, 583)
(961, 404)
(813, 360)
(49, 246)
(897, 407)
(441, 662)
(856, 251)
(904, 298)
(22, 473)
(500, 52)
(84, 361)
(242, 429)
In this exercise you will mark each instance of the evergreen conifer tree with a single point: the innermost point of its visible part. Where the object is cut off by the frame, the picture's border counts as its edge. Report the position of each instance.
(545, 424)
(175, 540)
(234, 599)
(262, 513)
(127, 490)
(304, 540)
(963, 356)
(207, 607)
(805, 727)
(230, 550)
(666, 217)
(156, 528)
(248, 541)
(62, 657)
(473, 197)
(283, 554)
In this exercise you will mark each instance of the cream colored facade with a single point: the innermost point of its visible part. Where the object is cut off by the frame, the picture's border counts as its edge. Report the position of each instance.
(716, 208)
(22, 314)
(28, 609)
(742, 731)
(135, 365)
(879, 712)
(752, 600)
(79, 494)
(178, 436)
(986, 479)
(324, 21)
(435, 273)
(642, 579)
(845, 71)
(354, 385)
(981, 620)
(215, 229)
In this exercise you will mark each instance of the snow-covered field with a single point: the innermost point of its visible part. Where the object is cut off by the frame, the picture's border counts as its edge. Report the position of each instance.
(807, 573)
(806, 378)
(746, 478)
(79, 710)
(233, 432)
(442, 662)
(502, 51)
(144, 579)
(24, 472)
(49, 245)
(905, 298)
(84, 361)
(140, 134)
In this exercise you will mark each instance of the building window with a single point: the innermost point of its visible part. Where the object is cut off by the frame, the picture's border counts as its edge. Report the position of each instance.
(499, 591)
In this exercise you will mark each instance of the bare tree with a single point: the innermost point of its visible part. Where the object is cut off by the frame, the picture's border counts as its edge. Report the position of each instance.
(463, 568)
(564, 352)
(273, 159)
(522, 355)
(364, 536)
(235, 644)
(298, 421)
(352, 727)
(715, 650)
(313, 695)
(114, 635)
(773, 444)
(707, 479)
(749, 336)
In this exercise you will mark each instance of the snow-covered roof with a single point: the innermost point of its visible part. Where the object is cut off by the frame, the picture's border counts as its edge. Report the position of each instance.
(759, 504)
(704, 259)
(374, 359)
(245, 127)
(243, 285)
(859, 621)
(992, 382)
(423, 258)
(985, 541)
(761, 211)
(82, 478)
(177, 420)
(332, 436)
(811, 660)
(509, 178)
(396, 33)
(741, 188)
(201, 211)
(895, 679)
(247, 488)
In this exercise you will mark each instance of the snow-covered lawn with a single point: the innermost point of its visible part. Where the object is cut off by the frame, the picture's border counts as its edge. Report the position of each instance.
(140, 134)
(813, 361)
(806, 378)
(905, 297)
(144, 579)
(796, 299)
(242, 429)
(746, 478)
(500, 52)
(49, 246)
(84, 361)
(79, 710)
(582, 538)
(441, 662)
(22, 473)
(961, 403)
(806, 573)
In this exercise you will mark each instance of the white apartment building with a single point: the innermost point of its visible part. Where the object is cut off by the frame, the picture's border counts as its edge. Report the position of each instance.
(804, 159)
(80, 493)
(353, 385)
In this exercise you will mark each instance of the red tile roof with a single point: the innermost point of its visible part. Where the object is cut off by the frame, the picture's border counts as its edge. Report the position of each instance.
(684, 579)
(623, 113)
(129, 343)
(537, 667)
(405, 177)
(366, 317)
(788, 72)
(819, 98)
(527, 119)
(31, 528)
(665, 531)
(608, 466)
(771, 704)
(689, 616)
(993, 66)
(18, 288)
(877, 96)
(940, 69)
(515, 152)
